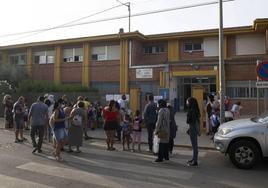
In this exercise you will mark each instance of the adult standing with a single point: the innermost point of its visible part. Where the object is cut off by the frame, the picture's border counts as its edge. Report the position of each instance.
(193, 116)
(38, 118)
(150, 118)
(162, 130)
(111, 121)
(8, 105)
(18, 111)
(78, 119)
(59, 129)
(208, 110)
(173, 128)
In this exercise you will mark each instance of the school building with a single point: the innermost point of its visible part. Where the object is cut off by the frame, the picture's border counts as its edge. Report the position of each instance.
(170, 64)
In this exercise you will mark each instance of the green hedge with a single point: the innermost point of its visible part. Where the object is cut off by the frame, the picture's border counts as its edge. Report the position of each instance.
(45, 86)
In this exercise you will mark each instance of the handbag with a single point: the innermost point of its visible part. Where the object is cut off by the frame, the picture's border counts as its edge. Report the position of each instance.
(162, 134)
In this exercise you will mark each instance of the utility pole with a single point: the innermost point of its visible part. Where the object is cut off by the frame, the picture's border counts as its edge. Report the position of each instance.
(221, 65)
(129, 12)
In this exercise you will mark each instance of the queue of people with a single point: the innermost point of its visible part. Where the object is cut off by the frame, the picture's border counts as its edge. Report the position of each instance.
(65, 123)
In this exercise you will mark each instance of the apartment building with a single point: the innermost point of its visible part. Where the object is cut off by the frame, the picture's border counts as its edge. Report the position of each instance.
(171, 62)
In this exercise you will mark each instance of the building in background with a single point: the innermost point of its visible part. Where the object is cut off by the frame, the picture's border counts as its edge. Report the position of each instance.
(170, 63)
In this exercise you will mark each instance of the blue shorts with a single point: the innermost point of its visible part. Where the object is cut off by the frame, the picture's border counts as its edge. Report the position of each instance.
(60, 134)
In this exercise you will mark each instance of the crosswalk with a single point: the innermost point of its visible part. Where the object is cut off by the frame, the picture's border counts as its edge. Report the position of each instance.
(11, 182)
(96, 167)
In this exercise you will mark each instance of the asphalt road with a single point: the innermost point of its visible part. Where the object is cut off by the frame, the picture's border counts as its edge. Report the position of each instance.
(96, 167)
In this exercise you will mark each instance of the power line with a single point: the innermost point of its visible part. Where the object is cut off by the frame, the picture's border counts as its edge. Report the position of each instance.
(35, 32)
(62, 25)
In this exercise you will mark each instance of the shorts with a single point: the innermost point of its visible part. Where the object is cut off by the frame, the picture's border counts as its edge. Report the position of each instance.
(60, 134)
(110, 125)
(136, 136)
(19, 124)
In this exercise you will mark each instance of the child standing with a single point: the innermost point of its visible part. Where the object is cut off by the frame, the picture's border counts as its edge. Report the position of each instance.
(136, 131)
(126, 131)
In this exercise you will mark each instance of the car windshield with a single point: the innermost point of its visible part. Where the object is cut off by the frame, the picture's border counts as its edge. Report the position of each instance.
(262, 118)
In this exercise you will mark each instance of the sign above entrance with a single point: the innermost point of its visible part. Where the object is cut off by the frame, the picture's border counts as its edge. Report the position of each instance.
(144, 73)
(262, 70)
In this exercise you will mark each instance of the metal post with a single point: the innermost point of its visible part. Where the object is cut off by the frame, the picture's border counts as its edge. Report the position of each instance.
(258, 95)
(129, 15)
(221, 65)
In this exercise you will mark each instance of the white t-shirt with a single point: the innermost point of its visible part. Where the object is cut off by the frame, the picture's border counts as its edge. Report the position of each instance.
(122, 103)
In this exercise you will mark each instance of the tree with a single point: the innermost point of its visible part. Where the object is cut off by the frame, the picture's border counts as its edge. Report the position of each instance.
(13, 74)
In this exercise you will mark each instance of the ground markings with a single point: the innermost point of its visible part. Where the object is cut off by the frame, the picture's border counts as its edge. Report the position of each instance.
(11, 182)
(71, 174)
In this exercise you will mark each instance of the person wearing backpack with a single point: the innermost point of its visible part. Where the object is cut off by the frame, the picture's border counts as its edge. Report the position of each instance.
(78, 119)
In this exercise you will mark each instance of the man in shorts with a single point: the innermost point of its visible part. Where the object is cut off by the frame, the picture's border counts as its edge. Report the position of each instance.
(38, 117)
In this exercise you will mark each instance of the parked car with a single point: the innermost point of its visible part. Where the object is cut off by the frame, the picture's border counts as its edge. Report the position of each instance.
(244, 140)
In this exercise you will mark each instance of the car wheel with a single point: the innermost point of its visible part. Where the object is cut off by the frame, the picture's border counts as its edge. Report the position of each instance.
(244, 154)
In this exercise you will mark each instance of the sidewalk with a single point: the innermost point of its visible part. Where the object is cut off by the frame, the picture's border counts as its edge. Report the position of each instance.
(181, 140)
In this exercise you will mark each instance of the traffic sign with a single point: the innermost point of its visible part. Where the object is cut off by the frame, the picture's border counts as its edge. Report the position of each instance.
(262, 70)
(262, 84)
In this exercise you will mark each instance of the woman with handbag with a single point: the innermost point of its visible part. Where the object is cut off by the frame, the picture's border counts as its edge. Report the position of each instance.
(193, 116)
(162, 130)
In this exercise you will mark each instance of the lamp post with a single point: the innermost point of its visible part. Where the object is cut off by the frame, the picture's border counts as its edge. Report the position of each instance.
(221, 65)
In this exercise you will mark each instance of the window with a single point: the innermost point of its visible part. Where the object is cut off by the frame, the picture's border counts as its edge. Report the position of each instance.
(44, 57)
(243, 89)
(73, 55)
(17, 59)
(250, 44)
(197, 46)
(153, 49)
(102, 53)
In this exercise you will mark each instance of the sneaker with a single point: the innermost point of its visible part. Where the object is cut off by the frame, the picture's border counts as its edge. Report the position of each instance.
(34, 150)
(192, 164)
(86, 137)
(17, 141)
(190, 161)
(39, 151)
(157, 161)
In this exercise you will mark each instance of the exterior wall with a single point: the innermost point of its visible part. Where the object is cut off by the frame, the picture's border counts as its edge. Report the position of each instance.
(106, 71)
(193, 54)
(240, 71)
(139, 58)
(249, 106)
(71, 72)
(231, 46)
(43, 72)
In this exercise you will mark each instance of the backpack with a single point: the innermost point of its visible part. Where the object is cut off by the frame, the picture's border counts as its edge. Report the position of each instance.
(77, 120)
(215, 121)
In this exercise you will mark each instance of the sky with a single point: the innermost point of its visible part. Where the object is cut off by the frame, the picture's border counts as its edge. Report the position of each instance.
(21, 16)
